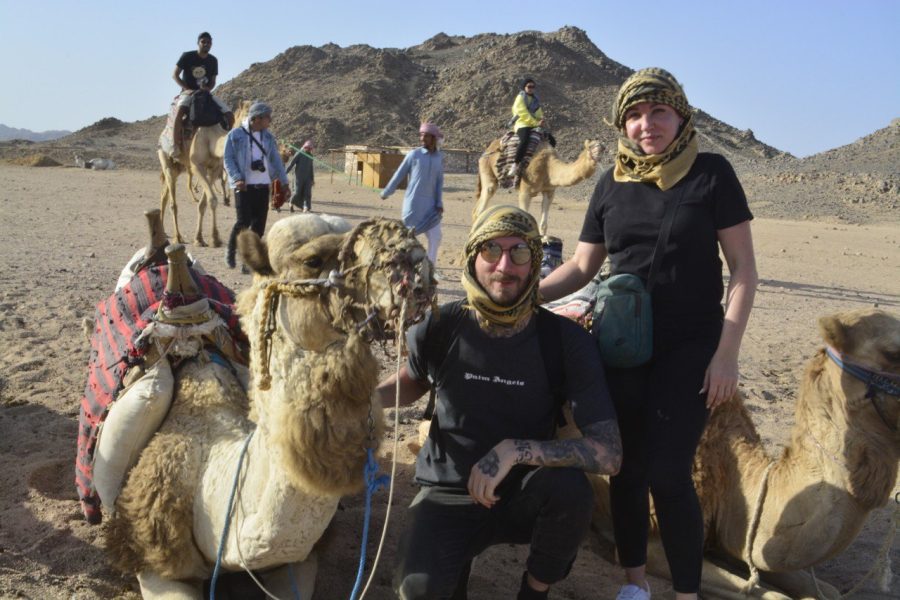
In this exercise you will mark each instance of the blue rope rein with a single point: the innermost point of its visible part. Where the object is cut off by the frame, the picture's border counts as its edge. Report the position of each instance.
(234, 485)
(875, 380)
(373, 483)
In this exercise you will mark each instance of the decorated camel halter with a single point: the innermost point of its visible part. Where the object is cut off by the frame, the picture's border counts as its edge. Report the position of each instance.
(368, 326)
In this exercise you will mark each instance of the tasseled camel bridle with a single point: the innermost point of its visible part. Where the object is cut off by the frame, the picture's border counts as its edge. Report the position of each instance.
(350, 315)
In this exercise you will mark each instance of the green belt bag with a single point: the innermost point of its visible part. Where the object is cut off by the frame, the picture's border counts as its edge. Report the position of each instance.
(623, 321)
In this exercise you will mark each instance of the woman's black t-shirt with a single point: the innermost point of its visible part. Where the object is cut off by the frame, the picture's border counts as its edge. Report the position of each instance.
(626, 218)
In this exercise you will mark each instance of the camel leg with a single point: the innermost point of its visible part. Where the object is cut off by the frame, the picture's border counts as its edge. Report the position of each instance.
(216, 174)
(190, 183)
(170, 176)
(278, 581)
(154, 587)
(799, 584)
(524, 197)
(208, 199)
(226, 201)
(545, 210)
(216, 240)
(716, 581)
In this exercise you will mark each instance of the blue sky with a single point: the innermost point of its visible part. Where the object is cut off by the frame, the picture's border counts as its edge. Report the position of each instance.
(804, 75)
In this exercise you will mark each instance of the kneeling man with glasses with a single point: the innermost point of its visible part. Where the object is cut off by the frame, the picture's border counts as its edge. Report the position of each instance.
(492, 469)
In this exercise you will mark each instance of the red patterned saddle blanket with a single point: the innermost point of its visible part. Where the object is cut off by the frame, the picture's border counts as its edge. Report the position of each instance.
(118, 320)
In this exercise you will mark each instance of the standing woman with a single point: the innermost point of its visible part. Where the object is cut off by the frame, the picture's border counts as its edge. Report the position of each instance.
(252, 162)
(663, 405)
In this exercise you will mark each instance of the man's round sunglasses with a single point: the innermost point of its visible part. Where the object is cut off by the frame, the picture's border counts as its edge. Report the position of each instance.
(519, 254)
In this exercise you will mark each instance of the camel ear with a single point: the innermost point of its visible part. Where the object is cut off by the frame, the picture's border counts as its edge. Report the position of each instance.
(834, 332)
(254, 253)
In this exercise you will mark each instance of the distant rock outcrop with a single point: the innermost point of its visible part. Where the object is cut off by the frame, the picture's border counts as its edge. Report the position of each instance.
(14, 133)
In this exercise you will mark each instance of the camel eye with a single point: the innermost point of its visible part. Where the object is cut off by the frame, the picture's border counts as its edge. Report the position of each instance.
(313, 262)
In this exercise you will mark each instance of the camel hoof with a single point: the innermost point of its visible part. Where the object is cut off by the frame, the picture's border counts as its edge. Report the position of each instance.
(179, 239)
(200, 242)
(217, 243)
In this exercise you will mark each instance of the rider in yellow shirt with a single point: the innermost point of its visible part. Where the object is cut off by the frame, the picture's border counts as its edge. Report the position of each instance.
(527, 114)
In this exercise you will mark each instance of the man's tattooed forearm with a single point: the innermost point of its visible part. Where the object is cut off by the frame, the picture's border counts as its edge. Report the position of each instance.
(599, 451)
(570, 453)
(490, 464)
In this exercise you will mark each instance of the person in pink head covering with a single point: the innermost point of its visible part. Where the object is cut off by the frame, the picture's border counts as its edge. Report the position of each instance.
(423, 207)
(304, 177)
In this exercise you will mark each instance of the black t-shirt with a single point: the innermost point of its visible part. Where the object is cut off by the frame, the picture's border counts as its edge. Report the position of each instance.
(490, 389)
(626, 218)
(196, 68)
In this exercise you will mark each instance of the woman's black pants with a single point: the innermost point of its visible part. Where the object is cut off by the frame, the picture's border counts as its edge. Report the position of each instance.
(661, 417)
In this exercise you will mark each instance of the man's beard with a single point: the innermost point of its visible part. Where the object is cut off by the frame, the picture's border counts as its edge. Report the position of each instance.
(506, 278)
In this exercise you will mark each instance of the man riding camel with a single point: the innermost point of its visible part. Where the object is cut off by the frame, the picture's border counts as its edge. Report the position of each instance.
(195, 71)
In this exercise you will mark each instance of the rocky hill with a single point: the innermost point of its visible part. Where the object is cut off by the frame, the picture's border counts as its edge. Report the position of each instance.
(361, 94)
(365, 95)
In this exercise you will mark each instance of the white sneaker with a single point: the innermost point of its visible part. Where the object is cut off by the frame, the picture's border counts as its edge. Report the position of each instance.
(513, 169)
(633, 592)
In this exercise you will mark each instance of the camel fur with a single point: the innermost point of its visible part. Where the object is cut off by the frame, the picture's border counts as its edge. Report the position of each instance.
(308, 406)
(544, 174)
(205, 161)
(840, 465)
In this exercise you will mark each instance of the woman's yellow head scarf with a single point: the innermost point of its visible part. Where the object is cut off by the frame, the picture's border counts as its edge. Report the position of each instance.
(632, 164)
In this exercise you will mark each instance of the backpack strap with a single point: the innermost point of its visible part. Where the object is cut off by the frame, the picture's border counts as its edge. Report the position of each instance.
(441, 331)
(549, 331)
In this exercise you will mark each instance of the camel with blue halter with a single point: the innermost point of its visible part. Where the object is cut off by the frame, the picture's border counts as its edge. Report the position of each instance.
(770, 519)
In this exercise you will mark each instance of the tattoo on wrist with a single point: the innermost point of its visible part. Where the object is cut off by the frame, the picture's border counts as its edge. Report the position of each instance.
(524, 452)
(490, 464)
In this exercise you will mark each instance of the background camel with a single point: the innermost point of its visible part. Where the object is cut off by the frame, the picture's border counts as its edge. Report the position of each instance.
(307, 411)
(809, 504)
(205, 161)
(544, 174)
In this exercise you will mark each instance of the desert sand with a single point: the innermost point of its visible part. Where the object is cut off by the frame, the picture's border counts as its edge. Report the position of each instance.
(69, 231)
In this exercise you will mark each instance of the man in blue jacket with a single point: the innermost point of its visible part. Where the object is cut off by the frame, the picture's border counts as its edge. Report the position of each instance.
(423, 207)
(252, 162)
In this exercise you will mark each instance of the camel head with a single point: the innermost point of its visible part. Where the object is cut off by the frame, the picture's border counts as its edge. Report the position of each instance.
(594, 149)
(387, 267)
(241, 111)
(334, 281)
(868, 339)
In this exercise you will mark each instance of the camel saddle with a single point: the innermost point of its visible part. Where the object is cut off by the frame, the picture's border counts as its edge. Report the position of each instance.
(115, 348)
(509, 144)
